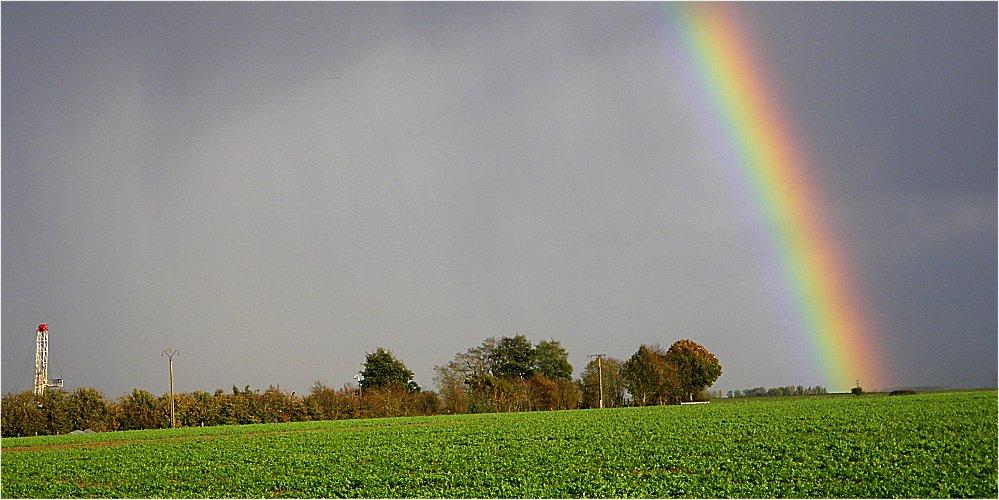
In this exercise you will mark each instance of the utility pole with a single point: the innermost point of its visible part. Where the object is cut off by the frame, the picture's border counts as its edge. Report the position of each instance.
(360, 393)
(600, 375)
(170, 353)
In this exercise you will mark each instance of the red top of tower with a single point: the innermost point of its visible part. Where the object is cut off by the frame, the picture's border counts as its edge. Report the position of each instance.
(43, 327)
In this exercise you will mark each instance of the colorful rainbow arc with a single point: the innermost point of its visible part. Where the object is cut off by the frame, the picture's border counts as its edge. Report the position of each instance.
(773, 164)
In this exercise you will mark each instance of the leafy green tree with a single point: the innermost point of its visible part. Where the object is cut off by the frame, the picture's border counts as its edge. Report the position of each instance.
(500, 375)
(55, 410)
(197, 409)
(141, 410)
(513, 357)
(187, 409)
(469, 381)
(696, 367)
(551, 360)
(241, 407)
(20, 415)
(382, 369)
(644, 373)
(88, 409)
(478, 361)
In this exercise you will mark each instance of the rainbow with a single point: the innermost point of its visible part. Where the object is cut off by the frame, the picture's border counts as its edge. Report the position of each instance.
(815, 271)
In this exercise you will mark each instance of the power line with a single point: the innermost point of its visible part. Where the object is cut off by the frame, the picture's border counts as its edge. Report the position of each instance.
(21, 371)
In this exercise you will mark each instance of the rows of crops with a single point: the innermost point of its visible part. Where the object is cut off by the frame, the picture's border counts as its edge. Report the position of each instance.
(931, 445)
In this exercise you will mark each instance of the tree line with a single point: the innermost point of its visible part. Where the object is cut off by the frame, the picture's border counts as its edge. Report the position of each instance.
(60, 412)
(499, 375)
(789, 390)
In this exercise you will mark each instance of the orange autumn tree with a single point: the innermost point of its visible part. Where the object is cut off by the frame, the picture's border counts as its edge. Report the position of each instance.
(674, 376)
(696, 368)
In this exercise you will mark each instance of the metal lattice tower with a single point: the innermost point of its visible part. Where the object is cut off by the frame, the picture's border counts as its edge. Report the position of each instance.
(42, 361)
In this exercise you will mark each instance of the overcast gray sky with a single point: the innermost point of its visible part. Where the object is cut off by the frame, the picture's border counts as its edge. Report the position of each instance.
(275, 189)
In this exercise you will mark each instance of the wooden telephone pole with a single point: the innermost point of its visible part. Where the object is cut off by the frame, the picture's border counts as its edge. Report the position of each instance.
(170, 353)
(600, 375)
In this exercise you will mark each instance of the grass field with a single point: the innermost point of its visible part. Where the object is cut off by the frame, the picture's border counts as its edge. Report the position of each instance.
(928, 445)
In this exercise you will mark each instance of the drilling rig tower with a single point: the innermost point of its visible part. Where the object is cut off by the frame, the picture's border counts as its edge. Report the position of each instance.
(42, 361)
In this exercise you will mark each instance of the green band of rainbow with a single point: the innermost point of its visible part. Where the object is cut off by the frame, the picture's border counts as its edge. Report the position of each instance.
(812, 259)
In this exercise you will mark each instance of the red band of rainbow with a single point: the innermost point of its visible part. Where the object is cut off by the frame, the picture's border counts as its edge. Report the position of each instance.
(815, 271)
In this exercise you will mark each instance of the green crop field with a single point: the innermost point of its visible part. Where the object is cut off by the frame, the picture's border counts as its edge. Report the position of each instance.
(928, 445)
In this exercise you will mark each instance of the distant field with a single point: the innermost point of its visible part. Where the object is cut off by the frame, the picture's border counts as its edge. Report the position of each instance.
(929, 445)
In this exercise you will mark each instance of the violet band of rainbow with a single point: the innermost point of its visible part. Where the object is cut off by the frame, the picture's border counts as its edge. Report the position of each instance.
(813, 263)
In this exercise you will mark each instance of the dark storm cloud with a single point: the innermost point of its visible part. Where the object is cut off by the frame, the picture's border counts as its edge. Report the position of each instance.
(899, 102)
(275, 189)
